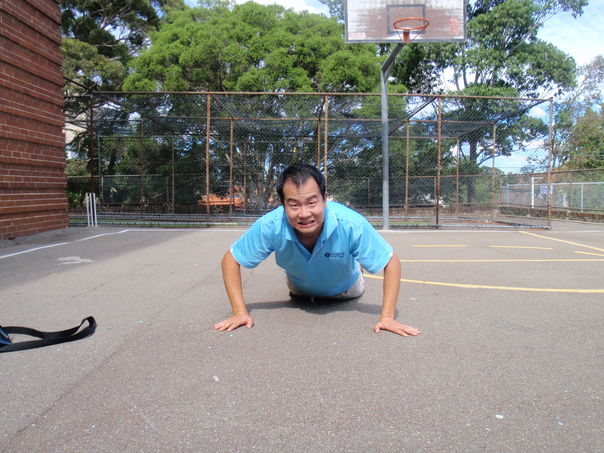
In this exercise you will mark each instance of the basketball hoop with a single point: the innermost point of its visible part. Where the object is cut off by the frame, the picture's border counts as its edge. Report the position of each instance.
(404, 28)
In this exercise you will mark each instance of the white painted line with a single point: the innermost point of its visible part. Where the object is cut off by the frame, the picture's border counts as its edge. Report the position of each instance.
(127, 230)
(59, 243)
(32, 250)
(101, 235)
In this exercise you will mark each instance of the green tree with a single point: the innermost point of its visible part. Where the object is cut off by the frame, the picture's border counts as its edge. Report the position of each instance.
(100, 37)
(99, 40)
(586, 142)
(573, 106)
(254, 48)
(250, 47)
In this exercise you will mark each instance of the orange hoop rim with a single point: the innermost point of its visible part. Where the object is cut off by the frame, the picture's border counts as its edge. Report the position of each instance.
(396, 25)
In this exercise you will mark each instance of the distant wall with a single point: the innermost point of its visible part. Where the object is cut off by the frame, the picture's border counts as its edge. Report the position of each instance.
(32, 145)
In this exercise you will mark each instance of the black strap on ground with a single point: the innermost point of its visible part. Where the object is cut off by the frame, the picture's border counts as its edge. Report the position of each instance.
(45, 338)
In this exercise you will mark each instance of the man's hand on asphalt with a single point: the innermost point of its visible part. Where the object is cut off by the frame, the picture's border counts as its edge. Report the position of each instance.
(391, 325)
(234, 322)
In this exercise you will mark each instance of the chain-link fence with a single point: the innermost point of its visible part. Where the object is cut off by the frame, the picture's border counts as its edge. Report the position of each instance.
(182, 158)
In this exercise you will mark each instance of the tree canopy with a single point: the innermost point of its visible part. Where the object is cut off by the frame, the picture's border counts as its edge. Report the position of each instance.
(251, 47)
(101, 37)
(574, 110)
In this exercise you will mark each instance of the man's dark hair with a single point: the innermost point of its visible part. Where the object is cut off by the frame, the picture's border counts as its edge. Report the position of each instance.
(299, 174)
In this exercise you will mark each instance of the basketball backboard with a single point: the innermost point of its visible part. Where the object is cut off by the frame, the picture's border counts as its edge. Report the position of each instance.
(372, 20)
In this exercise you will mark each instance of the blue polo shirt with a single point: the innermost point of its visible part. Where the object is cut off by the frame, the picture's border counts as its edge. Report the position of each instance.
(346, 240)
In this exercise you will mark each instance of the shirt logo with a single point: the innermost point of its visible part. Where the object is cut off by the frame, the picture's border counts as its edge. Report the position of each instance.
(334, 254)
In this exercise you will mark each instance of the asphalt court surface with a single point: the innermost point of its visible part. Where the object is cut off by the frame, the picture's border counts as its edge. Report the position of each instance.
(510, 357)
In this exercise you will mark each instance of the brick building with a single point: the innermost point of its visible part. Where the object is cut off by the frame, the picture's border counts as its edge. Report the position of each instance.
(32, 155)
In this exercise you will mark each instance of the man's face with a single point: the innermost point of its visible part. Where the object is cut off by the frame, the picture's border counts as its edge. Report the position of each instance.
(305, 208)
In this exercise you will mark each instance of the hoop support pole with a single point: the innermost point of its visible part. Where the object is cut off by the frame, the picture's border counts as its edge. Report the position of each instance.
(386, 68)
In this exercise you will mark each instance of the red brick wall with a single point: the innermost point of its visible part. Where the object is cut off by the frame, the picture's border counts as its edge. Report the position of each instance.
(32, 156)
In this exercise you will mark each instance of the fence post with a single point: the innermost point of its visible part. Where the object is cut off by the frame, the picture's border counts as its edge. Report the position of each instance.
(493, 169)
(141, 163)
(245, 149)
(231, 195)
(91, 217)
(208, 123)
(457, 177)
(91, 156)
(326, 137)
(407, 161)
(318, 156)
(172, 148)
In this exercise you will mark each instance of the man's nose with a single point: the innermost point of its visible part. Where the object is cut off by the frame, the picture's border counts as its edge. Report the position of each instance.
(304, 211)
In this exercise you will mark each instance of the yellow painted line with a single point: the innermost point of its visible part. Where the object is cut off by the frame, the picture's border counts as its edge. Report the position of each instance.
(563, 241)
(439, 245)
(504, 288)
(518, 247)
(589, 253)
(561, 260)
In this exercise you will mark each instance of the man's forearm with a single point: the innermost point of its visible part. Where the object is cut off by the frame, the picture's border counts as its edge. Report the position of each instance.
(231, 274)
(392, 283)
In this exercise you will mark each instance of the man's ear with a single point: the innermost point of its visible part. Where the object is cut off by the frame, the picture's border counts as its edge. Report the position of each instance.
(325, 197)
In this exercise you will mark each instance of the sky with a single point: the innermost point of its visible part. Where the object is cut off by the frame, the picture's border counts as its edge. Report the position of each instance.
(582, 38)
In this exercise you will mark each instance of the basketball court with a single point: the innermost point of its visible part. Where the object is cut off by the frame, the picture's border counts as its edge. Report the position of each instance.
(509, 358)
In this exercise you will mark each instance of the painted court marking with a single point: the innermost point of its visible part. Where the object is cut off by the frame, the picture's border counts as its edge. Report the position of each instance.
(563, 241)
(520, 260)
(61, 243)
(438, 245)
(504, 288)
(589, 253)
(172, 230)
(424, 282)
(528, 260)
(519, 247)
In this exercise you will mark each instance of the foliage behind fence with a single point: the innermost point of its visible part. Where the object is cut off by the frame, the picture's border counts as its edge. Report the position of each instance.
(452, 159)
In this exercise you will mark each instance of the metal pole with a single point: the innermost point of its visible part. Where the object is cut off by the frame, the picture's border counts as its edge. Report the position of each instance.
(437, 182)
(493, 169)
(326, 138)
(91, 145)
(457, 179)
(173, 181)
(549, 164)
(407, 161)
(141, 162)
(208, 112)
(245, 143)
(231, 171)
(384, 74)
(369, 195)
(94, 218)
(318, 156)
(87, 203)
